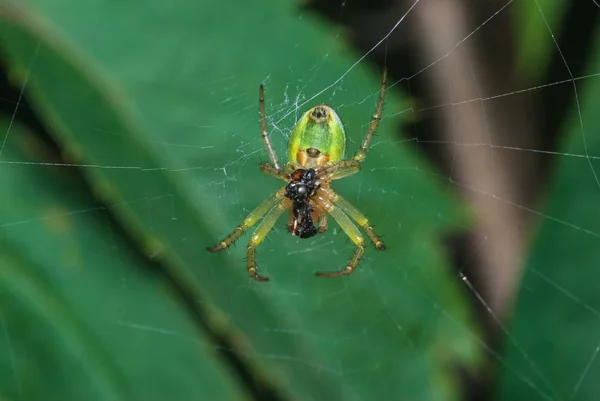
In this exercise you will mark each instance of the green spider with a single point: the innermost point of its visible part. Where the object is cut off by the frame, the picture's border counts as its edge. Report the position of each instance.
(315, 158)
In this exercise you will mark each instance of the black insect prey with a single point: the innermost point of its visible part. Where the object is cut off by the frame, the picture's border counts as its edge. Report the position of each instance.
(302, 186)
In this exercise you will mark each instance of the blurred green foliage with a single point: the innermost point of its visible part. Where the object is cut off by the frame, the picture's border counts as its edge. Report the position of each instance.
(107, 291)
(538, 24)
(83, 316)
(552, 349)
(165, 119)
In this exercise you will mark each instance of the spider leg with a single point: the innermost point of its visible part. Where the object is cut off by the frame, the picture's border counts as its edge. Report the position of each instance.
(353, 233)
(341, 169)
(268, 169)
(323, 223)
(364, 147)
(290, 223)
(263, 130)
(356, 215)
(260, 233)
(344, 168)
(249, 221)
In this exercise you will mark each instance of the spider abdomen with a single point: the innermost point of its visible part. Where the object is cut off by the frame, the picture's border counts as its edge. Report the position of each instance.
(317, 138)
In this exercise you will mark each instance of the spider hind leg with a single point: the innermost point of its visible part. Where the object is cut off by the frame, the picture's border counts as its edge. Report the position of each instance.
(250, 220)
(260, 233)
(356, 256)
(357, 216)
(353, 233)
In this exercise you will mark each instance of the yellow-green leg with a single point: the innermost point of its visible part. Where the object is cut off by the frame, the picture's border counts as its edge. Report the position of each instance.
(366, 143)
(323, 223)
(268, 169)
(340, 169)
(356, 215)
(345, 168)
(263, 129)
(260, 233)
(354, 234)
(249, 221)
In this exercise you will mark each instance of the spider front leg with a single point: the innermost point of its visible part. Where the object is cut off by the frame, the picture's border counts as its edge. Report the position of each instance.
(364, 147)
(344, 168)
(263, 129)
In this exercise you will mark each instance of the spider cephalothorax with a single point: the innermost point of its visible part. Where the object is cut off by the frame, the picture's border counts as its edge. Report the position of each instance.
(315, 158)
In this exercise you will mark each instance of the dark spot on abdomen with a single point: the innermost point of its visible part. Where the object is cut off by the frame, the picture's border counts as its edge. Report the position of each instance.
(319, 113)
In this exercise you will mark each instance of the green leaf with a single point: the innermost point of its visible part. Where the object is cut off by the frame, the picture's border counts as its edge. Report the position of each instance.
(552, 352)
(537, 27)
(81, 315)
(160, 102)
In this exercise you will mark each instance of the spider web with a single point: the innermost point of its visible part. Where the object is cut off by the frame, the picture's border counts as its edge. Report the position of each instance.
(224, 166)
